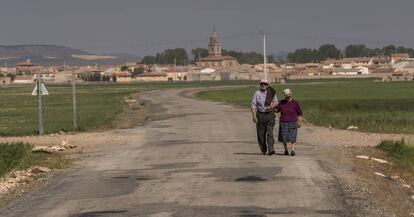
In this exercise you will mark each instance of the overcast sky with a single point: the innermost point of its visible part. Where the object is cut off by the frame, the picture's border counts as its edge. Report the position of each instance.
(147, 26)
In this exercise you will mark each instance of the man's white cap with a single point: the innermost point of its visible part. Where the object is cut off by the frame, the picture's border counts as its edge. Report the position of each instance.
(287, 92)
(264, 81)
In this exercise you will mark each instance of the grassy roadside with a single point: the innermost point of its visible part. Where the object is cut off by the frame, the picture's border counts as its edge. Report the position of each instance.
(19, 156)
(399, 150)
(98, 105)
(372, 106)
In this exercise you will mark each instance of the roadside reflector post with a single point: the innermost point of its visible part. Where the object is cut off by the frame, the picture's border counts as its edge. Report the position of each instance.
(40, 102)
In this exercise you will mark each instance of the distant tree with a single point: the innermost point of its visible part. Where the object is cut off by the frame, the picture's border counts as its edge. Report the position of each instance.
(279, 59)
(97, 76)
(83, 76)
(388, 50)
(107, 78)
(329, 51)
(244, 57)
(198, 52)
(358, 50)
(124, 68)
(92, 77)
(168, 56)
(375, 52)
(148, 60)
(137, 71)
(304, 55)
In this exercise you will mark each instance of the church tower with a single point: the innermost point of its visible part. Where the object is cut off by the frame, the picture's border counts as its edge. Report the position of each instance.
(214, 46)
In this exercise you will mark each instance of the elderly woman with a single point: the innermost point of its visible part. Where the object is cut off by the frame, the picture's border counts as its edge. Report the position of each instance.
(289, 122)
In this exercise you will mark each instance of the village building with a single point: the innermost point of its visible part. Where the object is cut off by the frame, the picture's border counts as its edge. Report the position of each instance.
(27, 68)
(64, 77)
(152, 76)
(397, 57)
(122, 77)
(214, 58)
(381, 61)
(400, 76)
(178, 73)
(25, 79)
(386, 69)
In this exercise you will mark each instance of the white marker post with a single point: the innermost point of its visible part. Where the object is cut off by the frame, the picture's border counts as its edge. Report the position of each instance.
(40, 90)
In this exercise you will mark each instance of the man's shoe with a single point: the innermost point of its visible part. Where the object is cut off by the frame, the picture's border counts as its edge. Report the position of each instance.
(287, 153)
(271, 152)
(292, 153)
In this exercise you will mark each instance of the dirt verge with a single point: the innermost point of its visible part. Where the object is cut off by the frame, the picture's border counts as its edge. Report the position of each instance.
(14, 184)
(363, 184)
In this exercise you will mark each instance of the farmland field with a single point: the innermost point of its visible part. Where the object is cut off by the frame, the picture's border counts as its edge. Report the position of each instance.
(98, 105)
(19, 156)
(371, 106)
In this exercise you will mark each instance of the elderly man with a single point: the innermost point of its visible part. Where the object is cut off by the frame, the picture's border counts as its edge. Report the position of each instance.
(263, 110)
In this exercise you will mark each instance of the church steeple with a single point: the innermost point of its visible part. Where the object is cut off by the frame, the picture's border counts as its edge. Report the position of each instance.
(214, 46)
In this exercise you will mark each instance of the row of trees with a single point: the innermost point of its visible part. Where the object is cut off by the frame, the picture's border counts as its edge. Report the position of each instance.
(96, 77)
(326, 51)
(12, 76)
(302, 55)
(361, 50)
(135, 72)
(180, 56)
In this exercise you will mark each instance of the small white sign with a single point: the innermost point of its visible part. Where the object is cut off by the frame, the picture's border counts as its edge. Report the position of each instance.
(43, 90)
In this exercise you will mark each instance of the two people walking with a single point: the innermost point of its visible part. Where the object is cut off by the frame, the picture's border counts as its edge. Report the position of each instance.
(264, 106)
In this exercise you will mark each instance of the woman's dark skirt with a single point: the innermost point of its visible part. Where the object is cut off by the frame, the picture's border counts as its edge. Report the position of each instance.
(288, 132)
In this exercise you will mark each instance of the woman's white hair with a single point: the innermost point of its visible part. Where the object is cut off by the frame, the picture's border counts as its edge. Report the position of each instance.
(287, 92)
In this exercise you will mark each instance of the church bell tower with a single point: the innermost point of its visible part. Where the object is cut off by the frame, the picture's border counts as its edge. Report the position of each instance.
(214, 46)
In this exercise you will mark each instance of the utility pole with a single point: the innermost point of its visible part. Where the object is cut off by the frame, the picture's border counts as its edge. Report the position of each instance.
(75, 123)
(264, 54)
(40, 102)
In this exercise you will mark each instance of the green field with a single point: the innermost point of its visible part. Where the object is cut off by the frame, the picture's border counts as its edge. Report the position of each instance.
(372, 106)
(17, 156)
(400, 150)
(98, 105)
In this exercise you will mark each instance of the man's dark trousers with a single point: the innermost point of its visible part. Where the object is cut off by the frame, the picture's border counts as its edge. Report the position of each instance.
(265, 125)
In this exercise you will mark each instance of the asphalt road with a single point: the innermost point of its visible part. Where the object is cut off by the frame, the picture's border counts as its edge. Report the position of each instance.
(195, 158)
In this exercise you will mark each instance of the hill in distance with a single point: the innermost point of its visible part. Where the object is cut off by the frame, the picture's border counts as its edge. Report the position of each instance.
(47, 55)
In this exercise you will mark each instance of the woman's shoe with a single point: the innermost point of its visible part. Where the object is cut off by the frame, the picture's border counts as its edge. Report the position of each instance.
(292, 153)
(271, 152)
(287, 153)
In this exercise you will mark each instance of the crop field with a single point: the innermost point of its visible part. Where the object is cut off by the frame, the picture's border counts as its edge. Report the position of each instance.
(97, 105)
(371, 106)
(19, 156)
